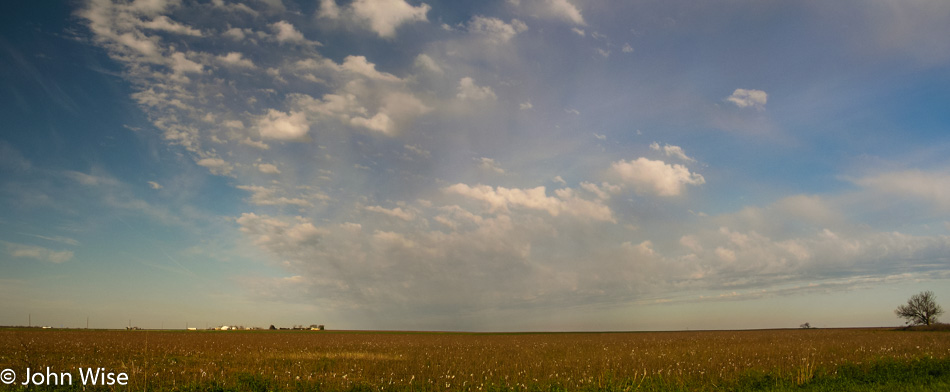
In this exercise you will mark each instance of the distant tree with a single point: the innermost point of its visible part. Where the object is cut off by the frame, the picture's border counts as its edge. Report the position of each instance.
(806, 326)
(921, 309)
(272, 327)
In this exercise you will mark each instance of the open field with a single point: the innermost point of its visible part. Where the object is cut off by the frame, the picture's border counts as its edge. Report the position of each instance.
(331, 360)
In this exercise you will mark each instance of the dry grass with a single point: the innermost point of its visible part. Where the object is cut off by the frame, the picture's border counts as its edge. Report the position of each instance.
(387, 361)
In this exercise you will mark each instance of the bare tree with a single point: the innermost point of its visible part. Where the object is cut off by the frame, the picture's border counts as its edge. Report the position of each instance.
(921, 309)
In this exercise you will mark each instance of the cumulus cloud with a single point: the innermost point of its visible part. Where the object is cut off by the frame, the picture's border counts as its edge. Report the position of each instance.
(494, 29)
(490, 165)
(397, 212)
(279, 234)
(286, 32)
(380, 122)
(551, 9)
(154, 185)
(656, 177)
(235, 59)
(216, 166)
(163, 23)
(425, 62)
(268, 168)
(737, 258)
(264, 196)
(501, 199)
(465, 248)
(235, 33)
(672, 151)
(359, 65)
(471, 262)
(603, 191)
(468, 90)
(328, 9)
(182, 64)
(278, 125)
(748, 98)
(381, 16)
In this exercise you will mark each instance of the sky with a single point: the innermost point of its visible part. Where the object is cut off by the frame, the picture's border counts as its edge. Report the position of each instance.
(545, 165)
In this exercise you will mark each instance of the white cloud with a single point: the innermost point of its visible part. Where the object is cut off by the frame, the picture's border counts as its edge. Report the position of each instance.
(579, 31)
(397, 109)
(182, 64)
(328, 9)
(283, 126)
(286, 32)
(38, 253)
(380, 122)
(932, 187)
(235, 34)
(255, 143)
(494, 29)
(280, 235)
(235, 59)
(468, 90)
(234, 7)
(672, 151)
(526, 105)
(418, 150)
(551, 9)
(599, 136)
(726, 255)
(691, 243)
(90, 179)
(359, 65)
(627, 48)
(384, 16)
(748, 98)
(152, 7)
(748, 258)
(425, 62)
(154, 185)
(264, 196)
(604, 191)
(268, 168)
(656, 177)
(404, 106)
(145, 46)
(397, 212)
(490, 165)
(163, 23)
(216, 166)
(501, 199)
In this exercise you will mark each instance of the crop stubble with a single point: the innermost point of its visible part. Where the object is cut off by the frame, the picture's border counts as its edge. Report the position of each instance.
(458, 361)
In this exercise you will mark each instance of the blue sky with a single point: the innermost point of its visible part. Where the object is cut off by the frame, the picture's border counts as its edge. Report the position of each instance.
(510, 165)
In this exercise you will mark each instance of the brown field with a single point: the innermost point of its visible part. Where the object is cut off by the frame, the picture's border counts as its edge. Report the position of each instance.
(331, 360)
